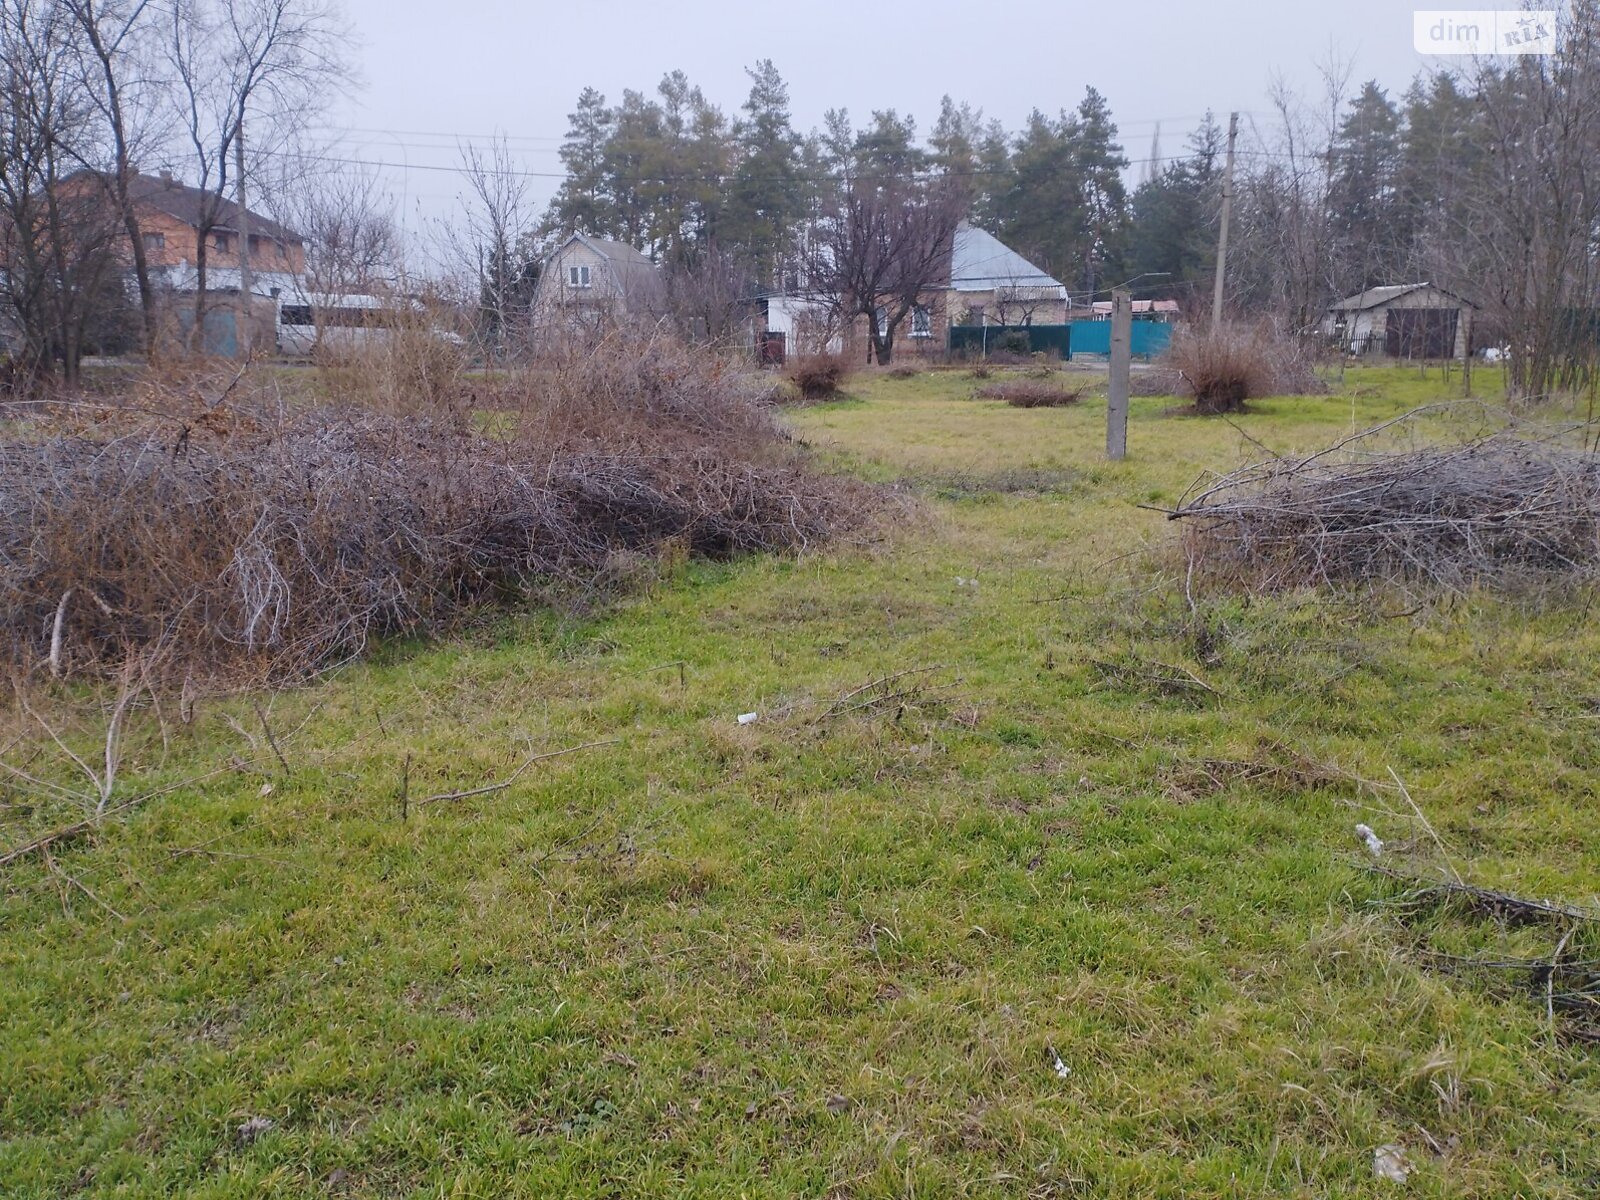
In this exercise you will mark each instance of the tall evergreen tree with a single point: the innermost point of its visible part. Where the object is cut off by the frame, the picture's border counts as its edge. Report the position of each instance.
(584, 201)
(1362, 197)
(766, 198)
(1066, 207)
(1172, 230)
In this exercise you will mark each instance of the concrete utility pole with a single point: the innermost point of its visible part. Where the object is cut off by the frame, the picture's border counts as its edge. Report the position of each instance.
(1121, 365)
(1222, 234)
(246, 310)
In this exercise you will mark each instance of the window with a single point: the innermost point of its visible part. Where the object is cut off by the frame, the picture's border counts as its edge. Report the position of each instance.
(975, 315)
(921, 322)
(155, 241)
(220, 242)
(578, 277)
(296, 314)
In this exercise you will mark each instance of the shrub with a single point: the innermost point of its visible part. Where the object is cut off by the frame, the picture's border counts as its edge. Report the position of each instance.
(253, 537)
(904, 371)
(981, 370)
(819, 376)
(1012, 341)
(1223, 367)
(1031, 393)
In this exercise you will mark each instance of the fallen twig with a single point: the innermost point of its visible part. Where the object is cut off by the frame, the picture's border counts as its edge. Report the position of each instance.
(851, 702)
(490, 788)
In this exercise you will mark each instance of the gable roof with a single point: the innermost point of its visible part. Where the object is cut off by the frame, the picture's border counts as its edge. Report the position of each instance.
(981, 262)
(1376, 296)
(619, 253)
(184, 203)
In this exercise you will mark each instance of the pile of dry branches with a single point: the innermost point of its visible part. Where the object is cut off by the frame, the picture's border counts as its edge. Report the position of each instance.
(277, 541)
(1501, 510)
(1031, 393)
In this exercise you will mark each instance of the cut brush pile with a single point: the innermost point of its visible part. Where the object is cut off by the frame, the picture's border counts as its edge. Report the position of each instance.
(1501, 511)
(276, 542)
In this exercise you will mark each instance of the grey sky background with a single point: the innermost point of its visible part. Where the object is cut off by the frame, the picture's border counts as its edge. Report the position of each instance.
(438, 74)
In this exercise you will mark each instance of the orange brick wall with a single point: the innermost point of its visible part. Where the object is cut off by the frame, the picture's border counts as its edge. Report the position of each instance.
(180, 245)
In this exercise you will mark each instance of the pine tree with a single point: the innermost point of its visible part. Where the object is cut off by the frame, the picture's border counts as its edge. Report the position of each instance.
(584, 201)
(766, 197)
(1362, 197)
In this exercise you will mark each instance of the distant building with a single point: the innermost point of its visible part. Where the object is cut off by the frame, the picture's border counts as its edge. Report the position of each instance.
(988, 283)
(1403, 320)
(588, 281)
(1166, 311)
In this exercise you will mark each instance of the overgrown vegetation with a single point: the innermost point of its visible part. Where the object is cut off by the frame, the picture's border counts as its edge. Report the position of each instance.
(819, 376)
(1009, 802)
(230, 530)
(1223, 367)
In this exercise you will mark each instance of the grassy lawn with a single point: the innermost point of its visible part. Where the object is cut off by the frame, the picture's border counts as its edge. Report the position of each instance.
(839, 951)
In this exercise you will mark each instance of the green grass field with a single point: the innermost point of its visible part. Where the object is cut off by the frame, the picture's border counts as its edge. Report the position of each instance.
(839, 951)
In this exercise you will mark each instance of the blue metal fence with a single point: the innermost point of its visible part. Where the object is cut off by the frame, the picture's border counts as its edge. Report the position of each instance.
(1150, 338)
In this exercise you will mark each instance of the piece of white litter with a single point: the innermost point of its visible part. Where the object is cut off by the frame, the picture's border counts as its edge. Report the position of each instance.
(748, 718)
(1373, 841)
(1390, 1162)
(1062, 1070)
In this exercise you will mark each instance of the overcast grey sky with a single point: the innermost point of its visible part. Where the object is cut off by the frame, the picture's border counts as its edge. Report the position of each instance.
(435, 74)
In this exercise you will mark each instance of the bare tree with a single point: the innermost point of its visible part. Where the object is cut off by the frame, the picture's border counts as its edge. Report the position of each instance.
(272, 61)
(708, 295)
(498, 222)
(58, 248)
(1523, 238)
(881, 245)
(1283, 258)
(122, 85)
(347, 220)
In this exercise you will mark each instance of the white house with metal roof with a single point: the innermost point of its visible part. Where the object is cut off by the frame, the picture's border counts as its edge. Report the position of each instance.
(1401, 320)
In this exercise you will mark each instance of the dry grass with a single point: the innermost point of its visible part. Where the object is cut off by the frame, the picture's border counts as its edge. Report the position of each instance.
(237, 530)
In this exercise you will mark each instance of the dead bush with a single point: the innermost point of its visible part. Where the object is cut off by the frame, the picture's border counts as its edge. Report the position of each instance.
(1502, 511)
(903, 371)
(1031, 393)
(819, 376)
(1221, 368)
(262, 538)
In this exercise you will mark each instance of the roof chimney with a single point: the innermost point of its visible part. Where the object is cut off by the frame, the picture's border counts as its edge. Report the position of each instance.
(166, 177)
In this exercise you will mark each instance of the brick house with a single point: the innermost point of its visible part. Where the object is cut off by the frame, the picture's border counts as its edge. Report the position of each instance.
(169, 214)
(988, 284)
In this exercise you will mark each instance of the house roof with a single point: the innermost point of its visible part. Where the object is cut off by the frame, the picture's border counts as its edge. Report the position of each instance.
(981, 262)
(184, 203)
(1375, 296)
(617, 252)
(1140, 306)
